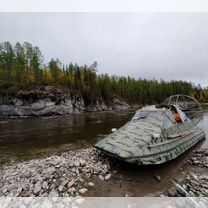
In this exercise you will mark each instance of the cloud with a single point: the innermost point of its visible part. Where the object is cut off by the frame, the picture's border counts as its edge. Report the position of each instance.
(146, 45)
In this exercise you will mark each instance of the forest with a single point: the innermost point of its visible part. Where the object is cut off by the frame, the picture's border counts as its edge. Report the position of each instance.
(22, 65)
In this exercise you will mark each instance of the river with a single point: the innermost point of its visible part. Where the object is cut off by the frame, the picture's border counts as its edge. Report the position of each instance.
(26, 138)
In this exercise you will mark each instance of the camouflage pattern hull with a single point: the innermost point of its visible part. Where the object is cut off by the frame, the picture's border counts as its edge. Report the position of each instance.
(136, 142)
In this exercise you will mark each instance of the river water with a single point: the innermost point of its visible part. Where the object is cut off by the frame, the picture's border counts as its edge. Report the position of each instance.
(26, 138)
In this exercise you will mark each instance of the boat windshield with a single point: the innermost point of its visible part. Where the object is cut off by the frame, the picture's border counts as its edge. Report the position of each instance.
(152, 117)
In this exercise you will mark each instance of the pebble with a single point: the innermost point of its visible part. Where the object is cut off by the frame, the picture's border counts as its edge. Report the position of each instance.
(157, 177)
(76, 163)
(83, 190)
(172, 192)
(108, 177)
(60, 188)
(82, 162)
(72, 189)
(64, 183)
(44, 185)
(50, 171)
(37, 189)
(4, 191)
(11, 187)
(19, 190)
(71, 183)
(101, 177)
(91, 184)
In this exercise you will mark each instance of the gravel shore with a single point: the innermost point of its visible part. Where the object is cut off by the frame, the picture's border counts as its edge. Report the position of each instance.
(69, 174)
(195, 183)
(74, 173)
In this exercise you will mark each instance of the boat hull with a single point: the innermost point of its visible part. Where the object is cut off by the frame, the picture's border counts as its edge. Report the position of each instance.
(163, 152)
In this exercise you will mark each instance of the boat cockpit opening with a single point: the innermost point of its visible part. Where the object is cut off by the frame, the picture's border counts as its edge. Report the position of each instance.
(176, 116)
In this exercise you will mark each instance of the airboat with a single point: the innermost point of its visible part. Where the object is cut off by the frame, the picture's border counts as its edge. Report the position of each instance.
(158, 133)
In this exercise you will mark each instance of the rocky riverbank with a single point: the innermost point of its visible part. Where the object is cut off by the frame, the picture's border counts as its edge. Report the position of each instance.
(195, 182)
(79, 172)
(69, 174)
(51, 101)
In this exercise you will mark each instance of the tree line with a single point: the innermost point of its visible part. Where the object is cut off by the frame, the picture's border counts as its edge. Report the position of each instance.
(23, 64)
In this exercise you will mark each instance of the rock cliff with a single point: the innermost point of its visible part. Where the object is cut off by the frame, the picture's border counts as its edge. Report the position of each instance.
(51, 101)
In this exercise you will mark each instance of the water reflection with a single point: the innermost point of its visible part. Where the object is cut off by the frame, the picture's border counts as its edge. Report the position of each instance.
(29, 135)
(22, 136)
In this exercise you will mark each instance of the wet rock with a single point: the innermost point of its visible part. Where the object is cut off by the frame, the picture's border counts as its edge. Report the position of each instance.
(81, 179)
(172, 192)
(101, 177)
(108, 177)
(157, 177)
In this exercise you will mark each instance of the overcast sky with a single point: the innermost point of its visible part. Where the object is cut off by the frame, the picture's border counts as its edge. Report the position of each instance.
(142, 45)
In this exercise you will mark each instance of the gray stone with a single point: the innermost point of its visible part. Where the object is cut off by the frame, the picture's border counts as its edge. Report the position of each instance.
(37, 189)
(19, 190)
(11, 187)
(71, 164)
(60, 188)
(71, 190)
(44, 184)
(81, 179)
(73, 170)
(91, 184)
(157, 177)
(26, 174)
(50, 171)
(108, 177)
(83, 190)
(4, 191)
(82, 162)
(172, 192)
(53, 186)
(195, 177)
(71, 183)
(64, 183)
(76, 163)
(101, 177)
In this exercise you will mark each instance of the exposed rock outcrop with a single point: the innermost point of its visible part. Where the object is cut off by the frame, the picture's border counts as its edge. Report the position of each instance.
(51, 101)
(42, 101)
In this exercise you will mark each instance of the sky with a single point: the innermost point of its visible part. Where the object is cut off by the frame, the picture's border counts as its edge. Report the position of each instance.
(158, 45)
